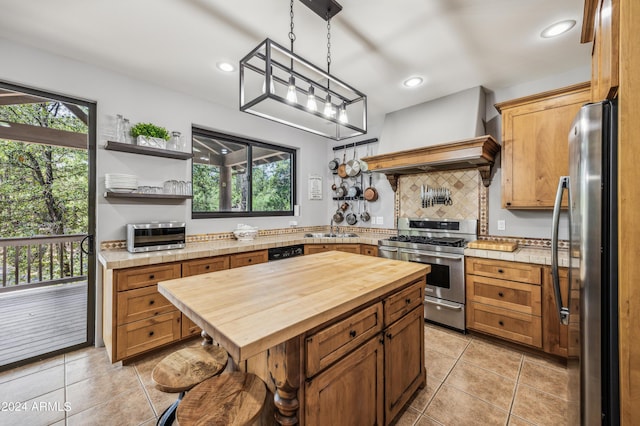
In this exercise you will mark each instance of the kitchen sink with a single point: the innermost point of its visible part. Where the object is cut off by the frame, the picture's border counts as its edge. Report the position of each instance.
(327, 235)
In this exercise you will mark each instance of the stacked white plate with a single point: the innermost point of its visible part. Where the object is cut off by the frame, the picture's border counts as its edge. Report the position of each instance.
(118, 182)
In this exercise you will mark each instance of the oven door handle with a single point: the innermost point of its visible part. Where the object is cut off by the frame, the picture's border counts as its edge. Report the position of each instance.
(446, 306)
(444, 256)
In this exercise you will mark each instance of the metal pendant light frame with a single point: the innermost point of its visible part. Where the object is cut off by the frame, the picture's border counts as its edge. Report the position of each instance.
(273, 63)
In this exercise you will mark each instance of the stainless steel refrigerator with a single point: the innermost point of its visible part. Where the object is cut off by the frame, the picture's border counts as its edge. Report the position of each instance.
(591, 311)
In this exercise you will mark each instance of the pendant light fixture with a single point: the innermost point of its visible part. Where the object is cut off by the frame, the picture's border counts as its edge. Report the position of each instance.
(290, 78)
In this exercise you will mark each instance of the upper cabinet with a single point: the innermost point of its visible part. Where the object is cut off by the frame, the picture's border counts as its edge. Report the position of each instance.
(602, 27)
(535, 135)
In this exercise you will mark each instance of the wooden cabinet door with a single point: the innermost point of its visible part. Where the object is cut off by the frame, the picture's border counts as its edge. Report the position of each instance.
(403, 362)
(555, 336)
(350, 392)
(369, 250)
(605, 58)
(535, 133)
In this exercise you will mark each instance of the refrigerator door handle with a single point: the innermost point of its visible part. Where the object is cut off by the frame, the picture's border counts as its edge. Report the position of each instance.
(563, 311)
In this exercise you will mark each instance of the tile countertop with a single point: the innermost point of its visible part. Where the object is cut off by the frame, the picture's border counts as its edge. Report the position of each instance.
(118, 259)
(541, 256)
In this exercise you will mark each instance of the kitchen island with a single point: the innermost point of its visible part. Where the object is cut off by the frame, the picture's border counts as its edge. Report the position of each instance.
(337, 337)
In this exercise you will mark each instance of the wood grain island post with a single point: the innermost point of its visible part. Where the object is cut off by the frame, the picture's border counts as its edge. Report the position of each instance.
(337, 337)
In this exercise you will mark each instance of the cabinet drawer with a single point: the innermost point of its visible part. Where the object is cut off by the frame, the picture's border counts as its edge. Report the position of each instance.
(318, 248)
(331, 343)
(140, 336)
(250, 258)
(400, 304)
(504, 323)
(515, 296)
(513, 271)
(141, 303)
(202, 266)
(348, 248)
(145, 276)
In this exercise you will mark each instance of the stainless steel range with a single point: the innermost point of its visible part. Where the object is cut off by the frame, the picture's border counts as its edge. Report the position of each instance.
(439, 243)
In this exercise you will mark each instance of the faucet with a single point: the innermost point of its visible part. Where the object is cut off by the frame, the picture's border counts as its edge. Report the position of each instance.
(331, 227)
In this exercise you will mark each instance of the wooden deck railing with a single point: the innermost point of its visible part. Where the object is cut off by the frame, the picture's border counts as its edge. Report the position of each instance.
(43, 260)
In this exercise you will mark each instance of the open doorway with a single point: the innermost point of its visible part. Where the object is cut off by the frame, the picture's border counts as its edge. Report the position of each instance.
(47, 223)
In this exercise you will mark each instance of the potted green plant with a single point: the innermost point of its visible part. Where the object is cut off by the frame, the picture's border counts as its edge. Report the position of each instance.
(147, 134)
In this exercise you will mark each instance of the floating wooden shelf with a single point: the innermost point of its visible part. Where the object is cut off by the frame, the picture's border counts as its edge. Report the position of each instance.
(147, 150)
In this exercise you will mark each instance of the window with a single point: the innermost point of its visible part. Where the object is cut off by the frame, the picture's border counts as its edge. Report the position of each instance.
(224, 186)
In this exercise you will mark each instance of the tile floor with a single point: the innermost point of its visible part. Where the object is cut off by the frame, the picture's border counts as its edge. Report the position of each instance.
(470, 381)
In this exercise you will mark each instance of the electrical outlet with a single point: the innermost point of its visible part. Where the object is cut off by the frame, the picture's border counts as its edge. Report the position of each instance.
(502, 225)
(293, 223)
(380, 220)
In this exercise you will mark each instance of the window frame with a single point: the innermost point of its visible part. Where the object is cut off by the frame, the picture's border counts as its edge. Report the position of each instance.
(250, 143)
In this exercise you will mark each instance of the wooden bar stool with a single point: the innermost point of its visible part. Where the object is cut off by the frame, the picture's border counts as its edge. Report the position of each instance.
(184, 369)
(228, 399)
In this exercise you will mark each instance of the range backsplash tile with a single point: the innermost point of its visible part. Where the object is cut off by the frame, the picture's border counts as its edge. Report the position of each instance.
(465, 190)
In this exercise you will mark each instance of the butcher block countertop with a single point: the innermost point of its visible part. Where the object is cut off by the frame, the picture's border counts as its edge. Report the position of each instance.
(251, 309)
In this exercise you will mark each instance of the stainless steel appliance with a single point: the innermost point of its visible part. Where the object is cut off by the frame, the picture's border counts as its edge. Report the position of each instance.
(439, 243)
(143, 237)
(279, 253)
(593, 299)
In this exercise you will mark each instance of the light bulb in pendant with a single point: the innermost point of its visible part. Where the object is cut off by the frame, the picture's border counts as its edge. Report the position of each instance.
(311, 100)
(342, 116)
(328, 108)
(272, 87)
(292, 96)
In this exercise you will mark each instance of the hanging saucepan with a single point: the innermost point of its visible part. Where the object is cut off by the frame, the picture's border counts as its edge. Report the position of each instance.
(352, 218)
(365, 216)
(363, 164)
(341, 191)
(334, 164)
(370, 194)
(344, 206)
(354, 191)
(342, 168)
(338, 217)
(353, 165)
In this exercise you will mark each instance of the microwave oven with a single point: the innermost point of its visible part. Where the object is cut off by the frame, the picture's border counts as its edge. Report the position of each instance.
(144, 237)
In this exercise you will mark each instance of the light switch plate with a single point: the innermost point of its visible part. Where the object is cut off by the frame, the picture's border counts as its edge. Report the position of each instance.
(502, 225)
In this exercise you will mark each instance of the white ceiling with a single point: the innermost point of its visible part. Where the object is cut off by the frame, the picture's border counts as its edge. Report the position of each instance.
(376, 44)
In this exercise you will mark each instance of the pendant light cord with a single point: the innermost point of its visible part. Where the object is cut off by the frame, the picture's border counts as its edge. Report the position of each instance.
(328, 49)
(292, 35)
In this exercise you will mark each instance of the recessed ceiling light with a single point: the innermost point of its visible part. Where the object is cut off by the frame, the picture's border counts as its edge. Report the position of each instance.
(558, 28)
(413, 82)
(225, 66)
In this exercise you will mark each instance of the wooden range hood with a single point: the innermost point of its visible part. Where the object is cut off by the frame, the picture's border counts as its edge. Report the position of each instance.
(477, 153)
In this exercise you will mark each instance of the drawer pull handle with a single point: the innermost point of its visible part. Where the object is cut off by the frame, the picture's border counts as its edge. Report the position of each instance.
(352, 333)
(249, 260)
(407, 301)
(151, 333)
(501, 323)
(207, 267)
(500, 271)
(151, 302)
(151, 276)
(501, 294)
(389, 336)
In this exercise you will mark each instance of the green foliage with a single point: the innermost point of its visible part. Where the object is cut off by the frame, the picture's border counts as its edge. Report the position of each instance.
(150, 130)
(43, 189)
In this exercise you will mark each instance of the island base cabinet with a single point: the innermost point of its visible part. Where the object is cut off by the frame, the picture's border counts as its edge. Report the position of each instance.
(403, 363)
(349, 392)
